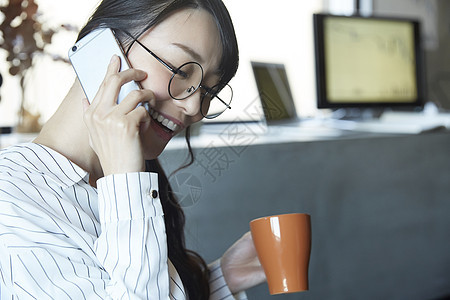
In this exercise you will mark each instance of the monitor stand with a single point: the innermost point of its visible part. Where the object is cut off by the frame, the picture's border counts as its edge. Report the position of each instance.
(388, 120)
(357, 114)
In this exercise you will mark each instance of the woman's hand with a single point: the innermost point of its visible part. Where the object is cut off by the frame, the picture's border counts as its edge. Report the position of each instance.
(114, 129)
(240, 265)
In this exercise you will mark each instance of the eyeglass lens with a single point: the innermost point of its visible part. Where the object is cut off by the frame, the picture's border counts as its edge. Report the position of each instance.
(185, 81)
(216, 100)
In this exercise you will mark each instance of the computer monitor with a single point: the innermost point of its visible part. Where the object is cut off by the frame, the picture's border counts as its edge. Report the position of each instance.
(274, 92)
(368, 62)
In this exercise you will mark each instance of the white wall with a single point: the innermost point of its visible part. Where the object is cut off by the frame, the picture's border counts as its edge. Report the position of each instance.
(275, 31)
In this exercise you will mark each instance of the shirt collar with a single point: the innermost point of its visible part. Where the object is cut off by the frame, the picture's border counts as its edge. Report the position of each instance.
(53, 164)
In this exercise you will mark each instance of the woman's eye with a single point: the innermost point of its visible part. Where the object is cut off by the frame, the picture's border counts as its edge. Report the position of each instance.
(185, 72)
(182, 73)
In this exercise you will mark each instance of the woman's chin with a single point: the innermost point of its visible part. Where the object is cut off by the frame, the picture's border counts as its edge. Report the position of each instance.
(152, 153)
(153, 145)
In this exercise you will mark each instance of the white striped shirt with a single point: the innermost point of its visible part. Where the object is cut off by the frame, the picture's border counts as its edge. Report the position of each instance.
(60, 238)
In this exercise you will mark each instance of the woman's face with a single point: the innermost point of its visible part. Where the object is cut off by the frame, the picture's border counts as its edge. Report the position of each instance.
(187, 35)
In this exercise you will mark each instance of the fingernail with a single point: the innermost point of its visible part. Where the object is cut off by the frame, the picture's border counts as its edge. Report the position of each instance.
(142, 74)
(113, 58)
(146, 106)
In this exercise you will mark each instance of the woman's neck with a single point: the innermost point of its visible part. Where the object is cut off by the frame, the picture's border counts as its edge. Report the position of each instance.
(66, 133)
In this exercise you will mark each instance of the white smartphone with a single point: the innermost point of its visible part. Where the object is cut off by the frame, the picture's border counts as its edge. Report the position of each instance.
(90, 58)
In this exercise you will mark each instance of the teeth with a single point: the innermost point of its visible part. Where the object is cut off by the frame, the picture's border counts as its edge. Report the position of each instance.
(166, 122)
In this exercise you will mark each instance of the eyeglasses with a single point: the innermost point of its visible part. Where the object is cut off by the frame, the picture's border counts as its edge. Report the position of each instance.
(187, 79)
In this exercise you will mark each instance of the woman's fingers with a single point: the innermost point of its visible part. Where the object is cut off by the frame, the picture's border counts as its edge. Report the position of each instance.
(115, 129)
(139, 115)
(114, 80)
(86, 104)
(133, 99)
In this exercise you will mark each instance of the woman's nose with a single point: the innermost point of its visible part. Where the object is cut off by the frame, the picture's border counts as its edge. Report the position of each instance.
(191, 105)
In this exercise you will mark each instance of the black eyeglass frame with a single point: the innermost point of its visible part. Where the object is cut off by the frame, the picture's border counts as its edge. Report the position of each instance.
(178, 71)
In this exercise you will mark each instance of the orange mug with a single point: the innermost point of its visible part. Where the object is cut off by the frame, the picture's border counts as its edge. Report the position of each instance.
(283, 245)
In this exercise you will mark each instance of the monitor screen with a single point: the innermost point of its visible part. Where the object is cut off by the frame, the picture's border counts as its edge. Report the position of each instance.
(367, 61)
(274, 91)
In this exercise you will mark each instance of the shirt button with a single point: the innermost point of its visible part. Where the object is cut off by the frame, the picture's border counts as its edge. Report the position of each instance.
(154, 193)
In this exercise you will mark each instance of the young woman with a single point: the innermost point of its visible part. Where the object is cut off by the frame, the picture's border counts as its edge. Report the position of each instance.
(86, 211)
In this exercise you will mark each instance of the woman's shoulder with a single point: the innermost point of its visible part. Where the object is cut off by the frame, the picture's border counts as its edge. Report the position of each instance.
(32, 185)
(19, 152)
(24, 157)
(36, 159)
(15, 157)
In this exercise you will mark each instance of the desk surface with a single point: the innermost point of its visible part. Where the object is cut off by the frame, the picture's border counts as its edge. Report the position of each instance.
(245, 133)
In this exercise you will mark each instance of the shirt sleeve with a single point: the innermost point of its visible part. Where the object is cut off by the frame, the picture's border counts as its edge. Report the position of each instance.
(45, 253)
(132, 246)
(218, 286)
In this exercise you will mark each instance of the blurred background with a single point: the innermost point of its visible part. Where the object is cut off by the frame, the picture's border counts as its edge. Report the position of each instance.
(44, 30)
(379, 202)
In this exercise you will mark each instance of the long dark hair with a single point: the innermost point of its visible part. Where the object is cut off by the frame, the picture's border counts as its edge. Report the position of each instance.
(190, 266)
(135, 17)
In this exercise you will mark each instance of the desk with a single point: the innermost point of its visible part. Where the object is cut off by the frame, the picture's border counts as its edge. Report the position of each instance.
(379, 205)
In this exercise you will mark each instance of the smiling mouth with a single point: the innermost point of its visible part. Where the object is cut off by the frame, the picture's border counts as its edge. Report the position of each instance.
(164, 122)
